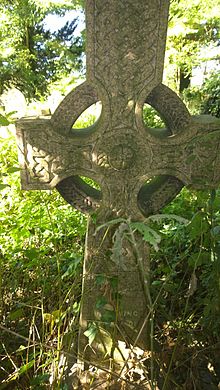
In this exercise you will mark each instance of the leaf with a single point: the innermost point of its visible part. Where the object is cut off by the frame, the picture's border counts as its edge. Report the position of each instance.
(157, 283)
(91, 333)
(149, 235)
(11, 113)
(76, 307)
(53, 317)
(108, 316)
(216, 231)
(56, 315)
(114, 282)
(100, 279)
(3, 186)
(198, 225)
(93, 217)
(31, 253)
(4, 121)
(48, 317)
(40, 379)
(111, 223)
(101, 301)
(117, 248)
(72, 267)
(199, 258)
(26, 367)
(13, 169)
(21, 348)
(14, 315)
(212, 198)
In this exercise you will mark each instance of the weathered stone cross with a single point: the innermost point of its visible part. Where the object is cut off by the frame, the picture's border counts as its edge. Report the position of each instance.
(138, 169)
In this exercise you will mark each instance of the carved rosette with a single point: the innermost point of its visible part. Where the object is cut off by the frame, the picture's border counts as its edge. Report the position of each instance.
(118, 152)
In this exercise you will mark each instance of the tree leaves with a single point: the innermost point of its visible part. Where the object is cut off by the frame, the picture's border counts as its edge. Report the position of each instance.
(198, 225)
(149, 235)
(91, 332)
(4, 121)
(3, 186)
(31, 55)
(189, 33)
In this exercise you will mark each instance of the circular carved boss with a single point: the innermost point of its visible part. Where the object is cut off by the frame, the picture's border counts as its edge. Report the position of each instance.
(118, 152)
(122, 157)
(153, 195)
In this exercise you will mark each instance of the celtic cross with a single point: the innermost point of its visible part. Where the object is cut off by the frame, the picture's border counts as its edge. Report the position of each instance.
(138, 169)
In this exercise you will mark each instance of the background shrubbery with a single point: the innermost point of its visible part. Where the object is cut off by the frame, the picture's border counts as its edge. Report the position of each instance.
(41, 241)
(205, 100)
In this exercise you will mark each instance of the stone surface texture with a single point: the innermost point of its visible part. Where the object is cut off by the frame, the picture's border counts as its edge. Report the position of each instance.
(138, 169)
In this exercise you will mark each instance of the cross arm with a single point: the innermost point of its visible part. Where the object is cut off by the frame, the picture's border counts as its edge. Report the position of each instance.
(192, 157)
(47, 157)
(203, 153)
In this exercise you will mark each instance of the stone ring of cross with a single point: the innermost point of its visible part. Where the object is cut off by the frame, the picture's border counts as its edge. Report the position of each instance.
(154, 193)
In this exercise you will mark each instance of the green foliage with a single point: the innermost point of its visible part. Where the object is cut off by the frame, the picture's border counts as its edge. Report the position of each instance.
(88, 117)
(41, 251)
(205, 100)
(185, 289)
(91, 333)
(193, 26)
(211, 95)
(151, 118)
(188, 250)
(4, 121)
(31, 56)
(149, 235)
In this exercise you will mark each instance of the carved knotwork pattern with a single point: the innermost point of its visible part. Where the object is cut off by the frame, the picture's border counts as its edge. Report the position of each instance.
(40, 164)
(203, 160)
(171, 109)
(124, 64)
(117, 26)
(41, 155)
